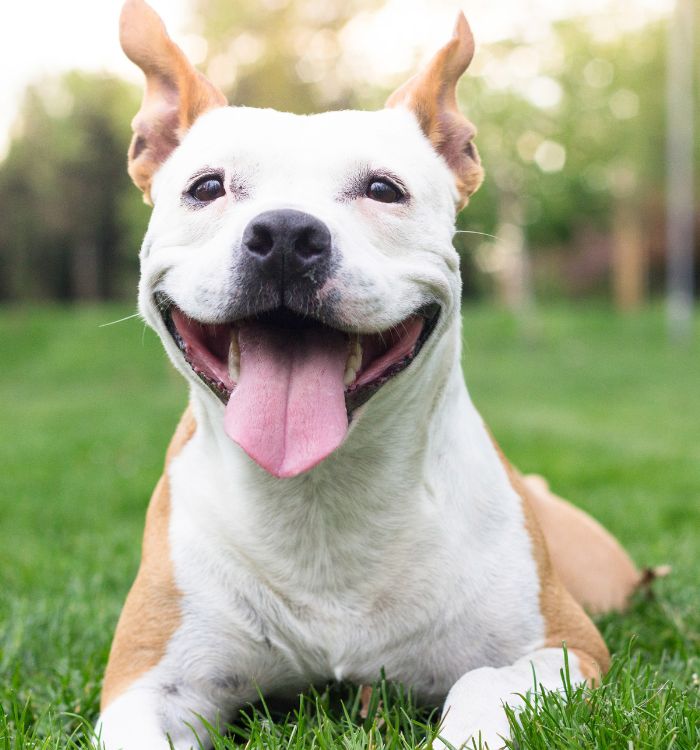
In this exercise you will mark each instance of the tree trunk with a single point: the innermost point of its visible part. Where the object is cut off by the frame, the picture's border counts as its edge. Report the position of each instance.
(630, 259)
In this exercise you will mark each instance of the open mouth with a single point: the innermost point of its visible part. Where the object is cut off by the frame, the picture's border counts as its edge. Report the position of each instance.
(290, 383)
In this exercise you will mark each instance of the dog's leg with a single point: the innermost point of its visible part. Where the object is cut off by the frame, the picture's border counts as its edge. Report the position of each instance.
(174, 659)
(151, 713)
(473, 708)
(198, 674)
(211, 668)
(591, 563)
(208, 669)
(143, 718)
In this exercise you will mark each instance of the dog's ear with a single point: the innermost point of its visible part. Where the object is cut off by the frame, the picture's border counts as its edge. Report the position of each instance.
(432, 97)
(176, 94)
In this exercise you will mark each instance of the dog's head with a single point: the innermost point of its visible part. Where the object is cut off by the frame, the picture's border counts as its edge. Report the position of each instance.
(294, 265)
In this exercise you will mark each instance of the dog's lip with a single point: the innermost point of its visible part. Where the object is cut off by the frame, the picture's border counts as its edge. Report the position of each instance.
(206, 347)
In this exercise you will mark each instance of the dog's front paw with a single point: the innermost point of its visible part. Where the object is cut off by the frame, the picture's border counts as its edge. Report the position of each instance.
(133, 722)
(473, 715)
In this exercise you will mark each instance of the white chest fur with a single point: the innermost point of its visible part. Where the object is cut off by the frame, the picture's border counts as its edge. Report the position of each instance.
(413, 558)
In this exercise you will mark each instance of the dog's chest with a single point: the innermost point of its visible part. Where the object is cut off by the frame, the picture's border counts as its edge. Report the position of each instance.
(420, 593)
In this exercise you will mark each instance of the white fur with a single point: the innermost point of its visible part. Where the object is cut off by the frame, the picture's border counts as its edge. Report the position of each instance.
(406, 549)
(474, 706)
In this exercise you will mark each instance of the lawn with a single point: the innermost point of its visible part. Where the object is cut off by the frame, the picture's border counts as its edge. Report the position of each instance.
(602, 405)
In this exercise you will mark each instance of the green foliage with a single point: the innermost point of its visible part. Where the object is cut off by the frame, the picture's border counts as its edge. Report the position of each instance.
(632, 708)
(572, 133)
(601, 405)
(72, 221)
(601, 101)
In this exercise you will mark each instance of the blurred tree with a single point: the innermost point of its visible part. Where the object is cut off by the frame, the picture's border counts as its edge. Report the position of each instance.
(278, 53)
(72, 222)
(571, 132)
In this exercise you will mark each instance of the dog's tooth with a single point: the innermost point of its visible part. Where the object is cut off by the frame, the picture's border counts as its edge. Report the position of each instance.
(355, 356)
(234, 357)
(354, 360)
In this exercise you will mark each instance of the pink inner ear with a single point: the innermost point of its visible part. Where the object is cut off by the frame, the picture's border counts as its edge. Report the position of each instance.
(156, 129)
(456, 133)
(431, 96)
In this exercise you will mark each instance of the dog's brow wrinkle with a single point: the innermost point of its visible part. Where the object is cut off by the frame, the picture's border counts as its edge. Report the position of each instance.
(238, 186)
(355, 184)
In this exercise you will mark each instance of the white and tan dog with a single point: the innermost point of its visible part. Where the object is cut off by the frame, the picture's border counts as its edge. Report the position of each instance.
(332, 503)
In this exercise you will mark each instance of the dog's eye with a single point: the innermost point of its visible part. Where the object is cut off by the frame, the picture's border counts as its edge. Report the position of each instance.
(383, 191)
(208, 189)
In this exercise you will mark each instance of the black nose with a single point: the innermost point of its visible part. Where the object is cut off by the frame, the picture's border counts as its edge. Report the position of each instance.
(287, 244)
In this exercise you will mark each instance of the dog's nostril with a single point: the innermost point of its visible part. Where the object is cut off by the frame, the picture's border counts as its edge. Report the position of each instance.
(260, 241)
(310, 243)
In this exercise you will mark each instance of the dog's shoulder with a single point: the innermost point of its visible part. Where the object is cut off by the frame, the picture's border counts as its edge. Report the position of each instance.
(152, 611)
(564, 618)
(183, 434)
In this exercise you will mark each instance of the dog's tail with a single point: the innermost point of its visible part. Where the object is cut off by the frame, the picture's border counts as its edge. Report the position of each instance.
(649, 575)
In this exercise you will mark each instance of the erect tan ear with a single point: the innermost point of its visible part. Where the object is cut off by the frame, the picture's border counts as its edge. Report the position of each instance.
(432, 97)
(176, 94)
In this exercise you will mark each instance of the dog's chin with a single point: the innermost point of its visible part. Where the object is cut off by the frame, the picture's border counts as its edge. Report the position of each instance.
(290, 382)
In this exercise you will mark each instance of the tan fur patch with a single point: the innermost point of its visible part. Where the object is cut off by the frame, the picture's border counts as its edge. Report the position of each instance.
(589, 668)
(151, 613)
(591, 563)
(432, 97)
(565, 620)
(176, 94)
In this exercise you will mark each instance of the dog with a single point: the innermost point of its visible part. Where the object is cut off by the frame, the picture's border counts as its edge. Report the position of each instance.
(332, 503)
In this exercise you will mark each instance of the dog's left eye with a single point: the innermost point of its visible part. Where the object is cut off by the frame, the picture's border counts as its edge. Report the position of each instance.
(383, 191)
(207, 189)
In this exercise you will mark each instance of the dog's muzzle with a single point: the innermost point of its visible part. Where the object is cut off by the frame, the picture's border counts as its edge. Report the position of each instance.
(288, 371)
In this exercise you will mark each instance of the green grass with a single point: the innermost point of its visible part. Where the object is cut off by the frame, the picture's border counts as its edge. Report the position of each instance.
(600, 404)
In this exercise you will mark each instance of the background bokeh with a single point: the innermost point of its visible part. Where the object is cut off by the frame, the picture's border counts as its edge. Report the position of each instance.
(573, 101)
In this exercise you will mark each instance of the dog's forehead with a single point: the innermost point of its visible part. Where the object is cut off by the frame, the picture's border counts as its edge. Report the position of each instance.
(247, 138)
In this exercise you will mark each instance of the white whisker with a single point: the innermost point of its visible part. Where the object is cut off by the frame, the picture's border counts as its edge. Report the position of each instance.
(470, 231)
(121, 320)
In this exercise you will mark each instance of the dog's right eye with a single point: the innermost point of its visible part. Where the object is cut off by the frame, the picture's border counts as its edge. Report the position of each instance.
(208, 189)
(383, 191)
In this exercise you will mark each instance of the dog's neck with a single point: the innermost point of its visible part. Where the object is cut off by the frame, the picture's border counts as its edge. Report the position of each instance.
(393, 465)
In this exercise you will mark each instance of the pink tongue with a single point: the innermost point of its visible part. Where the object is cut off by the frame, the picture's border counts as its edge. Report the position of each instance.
(287, 411)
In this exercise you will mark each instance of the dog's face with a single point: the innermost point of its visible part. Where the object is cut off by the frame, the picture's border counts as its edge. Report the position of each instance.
(294, 265)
